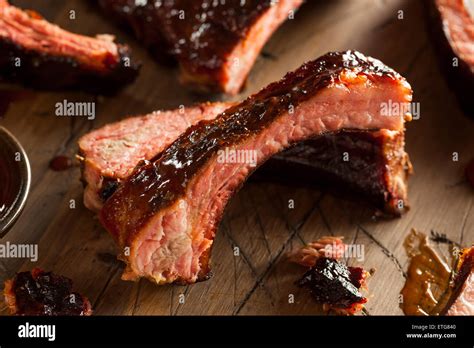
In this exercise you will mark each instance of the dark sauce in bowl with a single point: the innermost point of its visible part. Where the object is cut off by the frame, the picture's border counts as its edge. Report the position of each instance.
(15, 176)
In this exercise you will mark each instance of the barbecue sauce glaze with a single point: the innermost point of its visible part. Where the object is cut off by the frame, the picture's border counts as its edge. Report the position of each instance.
(60, 163)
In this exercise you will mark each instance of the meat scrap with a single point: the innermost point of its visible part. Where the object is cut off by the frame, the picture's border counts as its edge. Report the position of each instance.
(44, 293)
(328, 246)
(39, 54)
(336, 286)
(331, 283)
(165, 215)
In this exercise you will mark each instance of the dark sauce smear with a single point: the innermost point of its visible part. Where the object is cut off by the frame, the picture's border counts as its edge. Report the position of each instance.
(469, 172)
(9, 97)
(333, 283)
(44, 293)
(61, 163)
(4, 104)
(180, 162)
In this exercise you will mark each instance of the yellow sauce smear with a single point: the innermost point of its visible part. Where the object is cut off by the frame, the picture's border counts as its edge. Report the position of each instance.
(427, 287)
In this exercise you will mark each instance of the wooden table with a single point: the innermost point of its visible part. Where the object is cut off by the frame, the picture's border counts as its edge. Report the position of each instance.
(258, 220)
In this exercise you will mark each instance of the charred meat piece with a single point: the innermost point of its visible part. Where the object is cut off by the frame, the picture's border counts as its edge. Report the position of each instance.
(452, 26)
(335, 285)
(378, 168)
(42, 55)
(166, 214)
(462, 300)
(44, 293)
(214, 42)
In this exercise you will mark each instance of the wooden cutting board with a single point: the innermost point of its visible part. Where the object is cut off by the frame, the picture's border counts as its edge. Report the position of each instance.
(258, 221)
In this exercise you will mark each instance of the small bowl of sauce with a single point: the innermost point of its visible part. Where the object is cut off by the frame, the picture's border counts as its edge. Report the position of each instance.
(15, 179)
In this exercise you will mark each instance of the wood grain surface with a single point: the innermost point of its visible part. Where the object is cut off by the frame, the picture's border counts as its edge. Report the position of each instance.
(258, 221)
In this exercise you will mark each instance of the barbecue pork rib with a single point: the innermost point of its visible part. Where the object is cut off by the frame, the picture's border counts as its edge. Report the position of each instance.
(215, 42)
(452, 25)
(165, 215)
(378, 168)
(39, 54)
